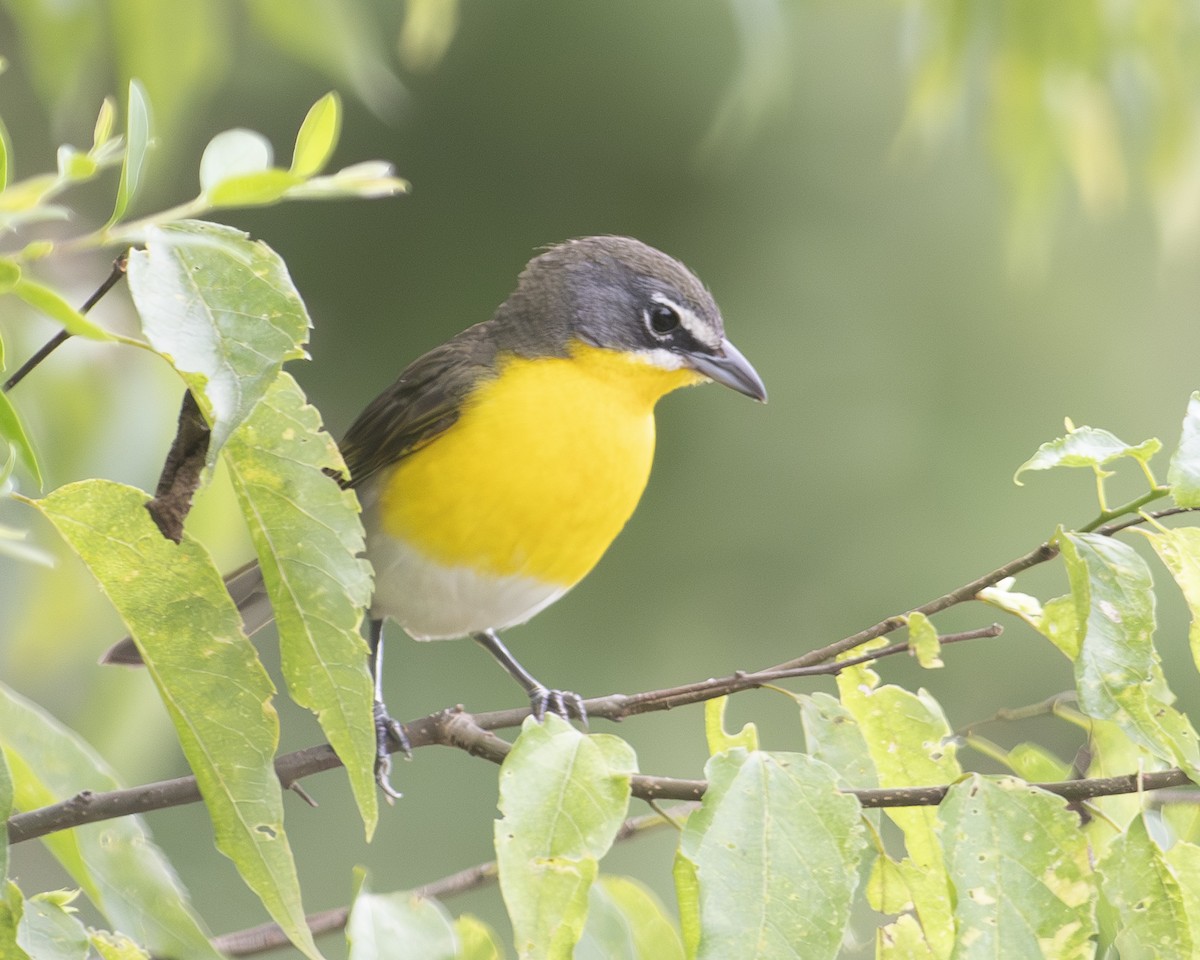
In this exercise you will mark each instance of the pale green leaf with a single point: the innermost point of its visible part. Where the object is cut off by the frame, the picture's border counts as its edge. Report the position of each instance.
(309, 539)
(398, 926)
(223, 310)
(1184, 473)
(234, 153)
(563, 796)
(318, 136)
(1117, 674)
(1003, 597)
(719, 740)
(116, 863)
(6, 810)
(50, 930)
(137, 143)
(775, 848)
(1019, 865)
(115, 946)
(476, 940)
(10, 275)
(923, 641)
(1034, 763)
(51, 303)
(174, 603)
(253, 189)
(1060, 625)
(105, 120)
(903, 940)
(911, 744)
(1145, 899)
(626, 922)
(1184, 861)
(1179, 551)
(1086, 447)
(12, 433)
(74, 166)
(367, 180)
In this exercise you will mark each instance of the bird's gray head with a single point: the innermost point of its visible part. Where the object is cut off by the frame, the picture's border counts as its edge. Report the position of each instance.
(620, 294)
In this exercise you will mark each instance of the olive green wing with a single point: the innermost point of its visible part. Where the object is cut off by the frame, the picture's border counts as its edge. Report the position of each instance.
(424, 401)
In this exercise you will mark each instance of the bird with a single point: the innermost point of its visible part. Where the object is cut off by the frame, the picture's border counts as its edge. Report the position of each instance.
(497, 469)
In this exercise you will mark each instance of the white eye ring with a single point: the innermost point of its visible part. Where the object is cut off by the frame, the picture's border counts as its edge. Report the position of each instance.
(662, 319)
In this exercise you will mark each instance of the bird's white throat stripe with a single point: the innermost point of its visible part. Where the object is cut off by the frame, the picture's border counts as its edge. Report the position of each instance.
(704, 333)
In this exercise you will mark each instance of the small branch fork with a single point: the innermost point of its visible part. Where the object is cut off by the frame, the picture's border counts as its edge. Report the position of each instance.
(118, 271)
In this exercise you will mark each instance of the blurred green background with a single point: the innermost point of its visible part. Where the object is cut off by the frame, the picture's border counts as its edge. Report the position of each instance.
(927, 279)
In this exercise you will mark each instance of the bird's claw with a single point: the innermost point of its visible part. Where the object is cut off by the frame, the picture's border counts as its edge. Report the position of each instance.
(563, 703)
(388, 732)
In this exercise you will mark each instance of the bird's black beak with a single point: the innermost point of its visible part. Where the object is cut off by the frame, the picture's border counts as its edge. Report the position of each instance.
(726, 365)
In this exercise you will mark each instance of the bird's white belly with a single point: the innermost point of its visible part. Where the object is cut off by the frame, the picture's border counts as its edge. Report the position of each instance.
(436, 602)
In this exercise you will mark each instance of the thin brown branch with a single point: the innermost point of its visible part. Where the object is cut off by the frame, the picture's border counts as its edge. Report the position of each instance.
(268, 936)
(56, 341)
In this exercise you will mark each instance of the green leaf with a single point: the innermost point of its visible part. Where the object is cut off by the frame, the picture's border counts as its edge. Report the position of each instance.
(49, 302)
(174, 603)
(234, 153)
(563, 796)
(923, 641)
(253, 189)
(775, 849)
(1019, 865)
(911, 744)
(399, 926)
(12, 906)
(626, 922)
(1055, 621)
(223, 310)
(309, 538)
(1145, 899)
(12, 430)
(1184, 473)
(832, 736)
(318, 136)
(115, 946)
(1179, 551)
(903, 940)
(137, 142)
(120, 869)
(476, 940)
(6, 810)
(75, 167)
(1117, 674)
(1086, 447)
(714, 729)
(49, 929)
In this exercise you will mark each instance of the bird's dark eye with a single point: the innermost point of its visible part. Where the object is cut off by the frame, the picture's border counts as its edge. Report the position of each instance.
(662, 319)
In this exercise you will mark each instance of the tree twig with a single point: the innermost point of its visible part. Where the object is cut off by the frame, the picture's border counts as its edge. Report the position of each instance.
(56, 341)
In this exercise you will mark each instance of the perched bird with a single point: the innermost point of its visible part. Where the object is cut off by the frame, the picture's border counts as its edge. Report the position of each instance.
(497, 469)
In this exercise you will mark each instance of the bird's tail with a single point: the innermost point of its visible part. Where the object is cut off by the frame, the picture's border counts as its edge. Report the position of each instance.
(245, 586)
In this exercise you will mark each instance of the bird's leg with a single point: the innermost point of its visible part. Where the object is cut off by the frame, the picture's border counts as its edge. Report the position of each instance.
(541, 697)
(386, 729)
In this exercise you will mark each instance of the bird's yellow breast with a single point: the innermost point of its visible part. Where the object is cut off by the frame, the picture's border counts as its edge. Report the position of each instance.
(540, 472)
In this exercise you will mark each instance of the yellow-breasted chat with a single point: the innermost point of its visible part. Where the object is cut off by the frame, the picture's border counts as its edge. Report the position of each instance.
(497, 469)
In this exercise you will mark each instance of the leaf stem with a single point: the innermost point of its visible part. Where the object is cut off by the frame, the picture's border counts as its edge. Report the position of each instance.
(1133, 506)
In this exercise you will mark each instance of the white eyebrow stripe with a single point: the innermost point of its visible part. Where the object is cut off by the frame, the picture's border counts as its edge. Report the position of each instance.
(690, 322)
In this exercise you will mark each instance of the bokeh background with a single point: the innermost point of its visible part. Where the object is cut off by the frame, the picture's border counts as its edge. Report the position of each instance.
(936, 230)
